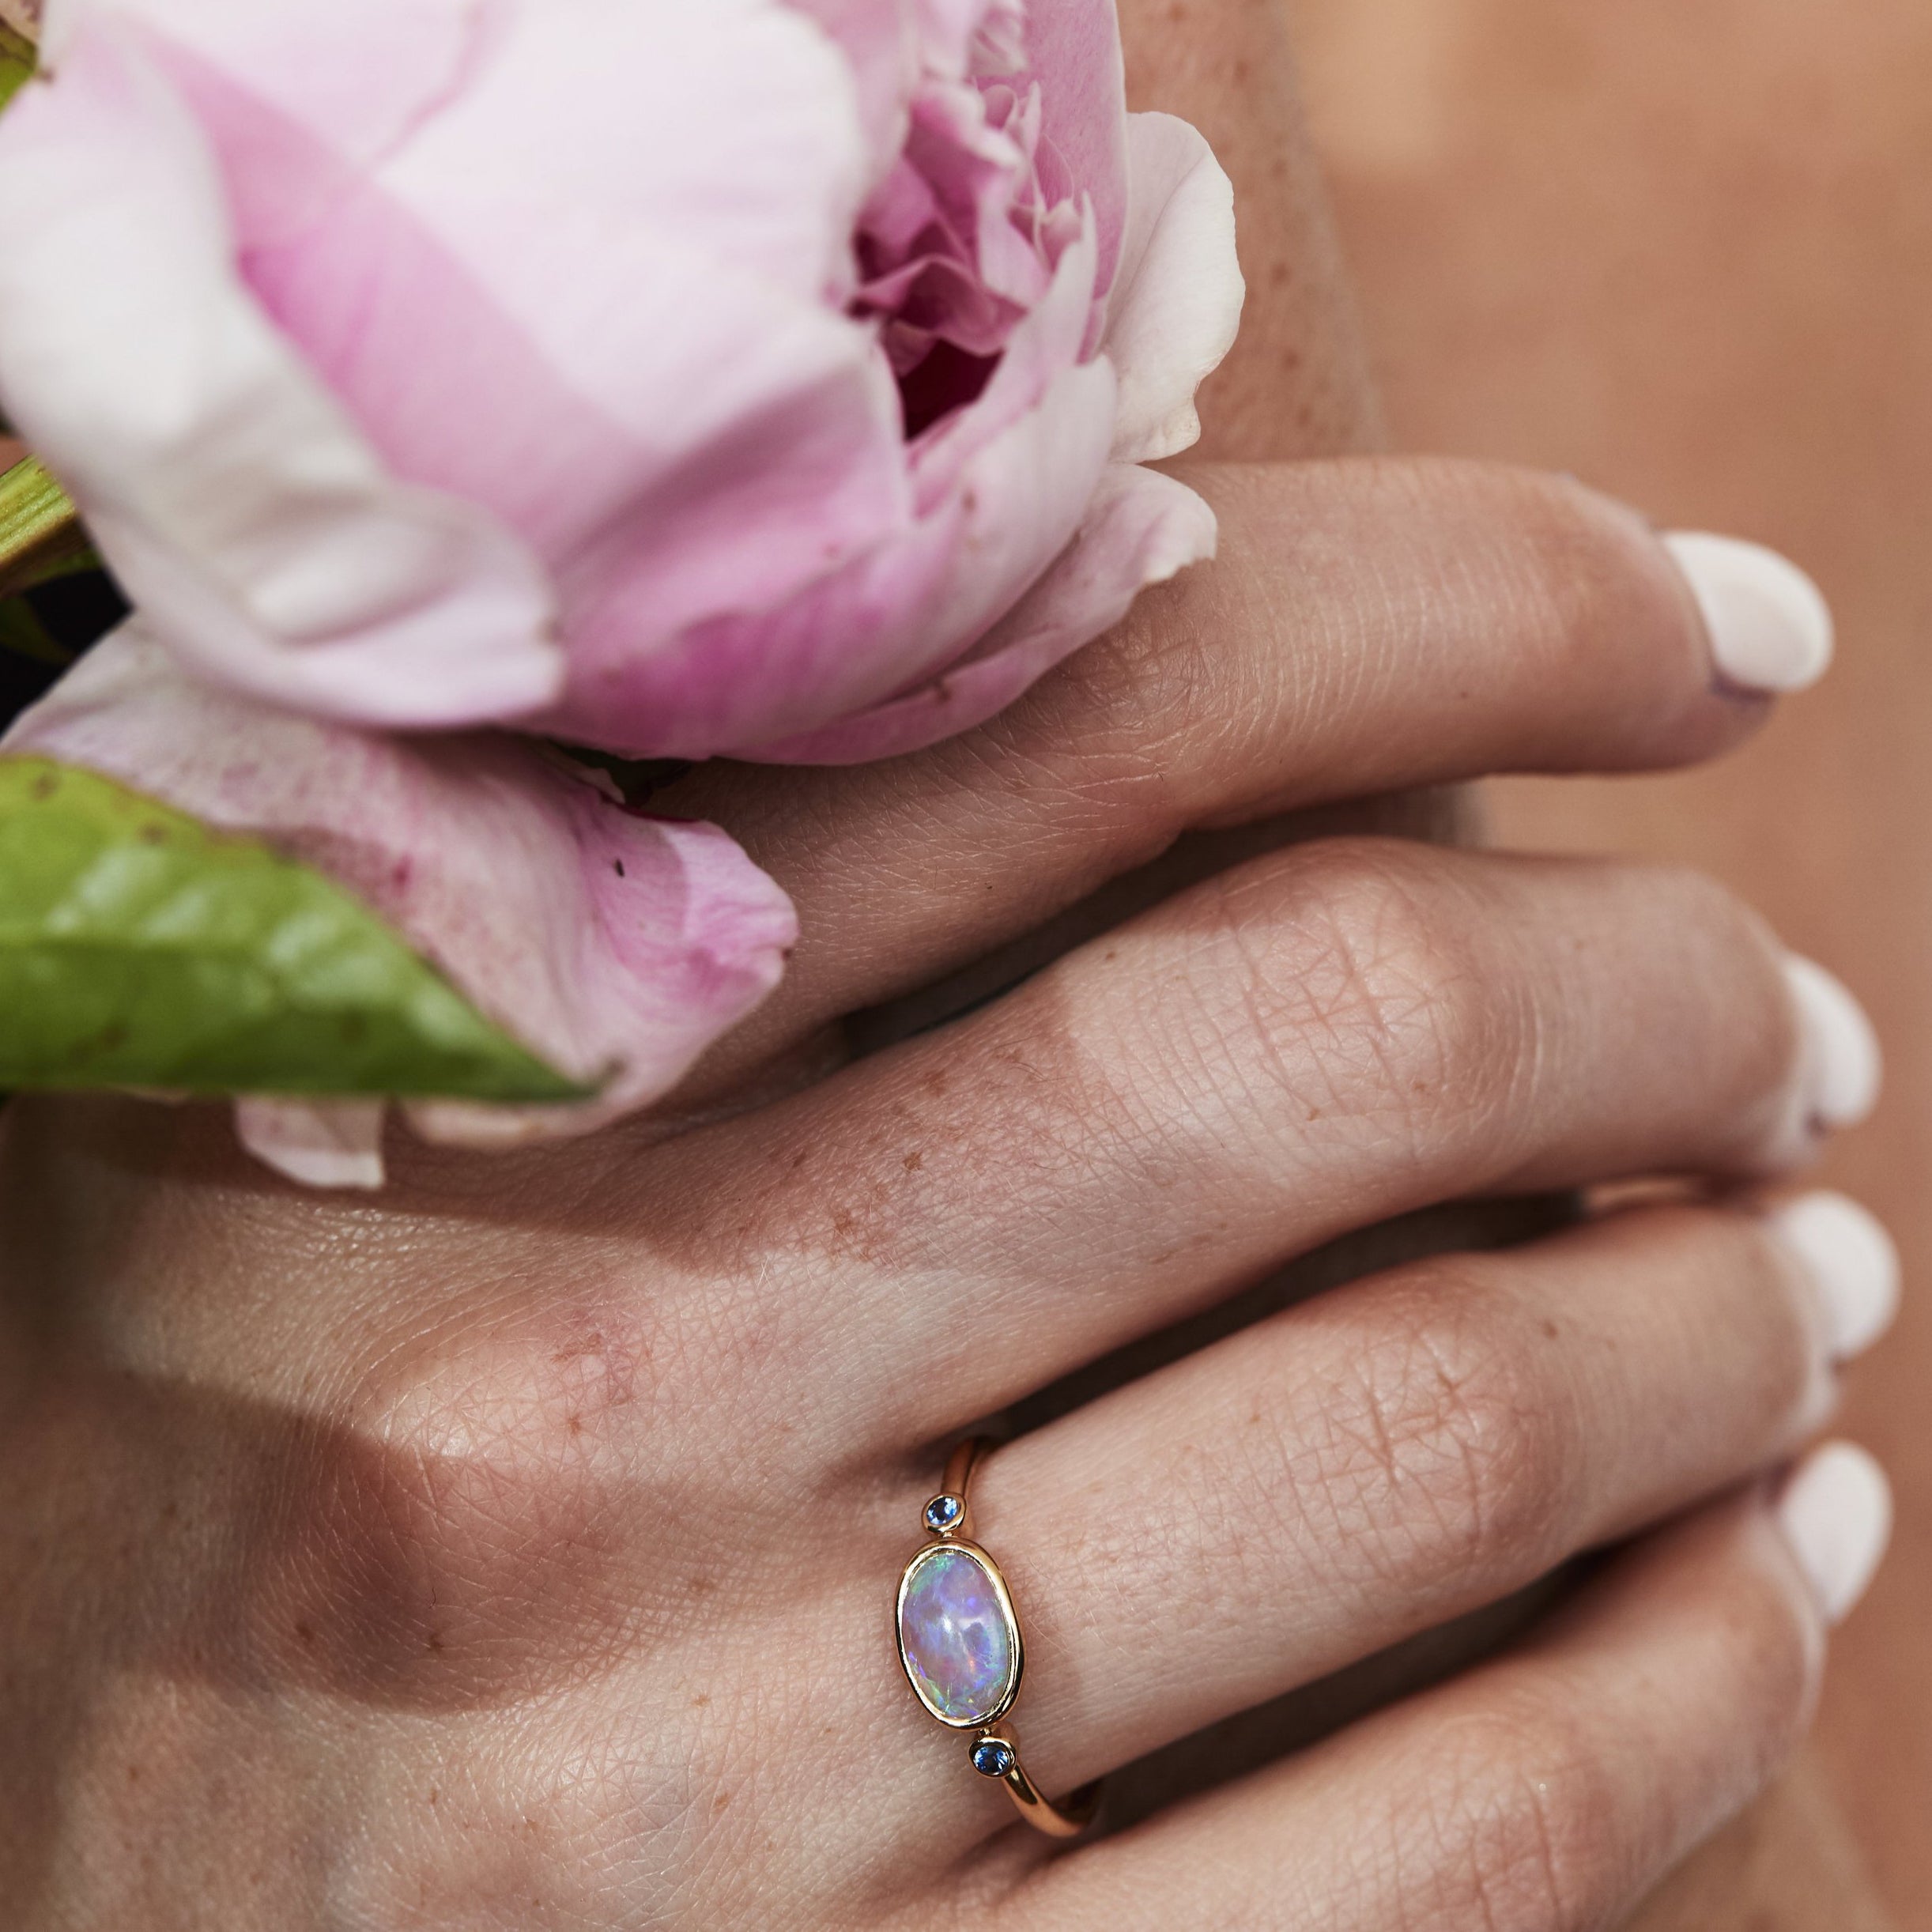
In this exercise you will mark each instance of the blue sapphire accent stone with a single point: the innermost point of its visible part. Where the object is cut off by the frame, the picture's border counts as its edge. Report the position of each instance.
(944, 1513)
(992, 1757)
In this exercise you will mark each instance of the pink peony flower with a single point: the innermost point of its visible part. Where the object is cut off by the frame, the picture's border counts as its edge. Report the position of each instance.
(672, 378)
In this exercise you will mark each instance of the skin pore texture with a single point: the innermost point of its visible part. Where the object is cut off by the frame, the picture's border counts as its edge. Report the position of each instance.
(1680, 251)
(490, 1554)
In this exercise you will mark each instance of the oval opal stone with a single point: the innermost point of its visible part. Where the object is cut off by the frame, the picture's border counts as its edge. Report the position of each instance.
(960, 1646)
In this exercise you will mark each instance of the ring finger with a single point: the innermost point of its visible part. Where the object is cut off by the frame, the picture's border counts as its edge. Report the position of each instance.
(1394, 1454)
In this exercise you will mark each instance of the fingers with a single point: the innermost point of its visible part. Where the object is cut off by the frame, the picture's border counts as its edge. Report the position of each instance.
(1545, 1792)
(1370, 625)
(1329, 1037)
(1390, 1456)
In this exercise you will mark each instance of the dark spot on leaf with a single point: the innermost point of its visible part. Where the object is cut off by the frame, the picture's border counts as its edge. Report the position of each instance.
(354, 1027)
(152, 834)
(46, 785)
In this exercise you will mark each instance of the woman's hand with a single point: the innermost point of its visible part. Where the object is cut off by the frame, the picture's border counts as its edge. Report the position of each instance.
(518, 1549)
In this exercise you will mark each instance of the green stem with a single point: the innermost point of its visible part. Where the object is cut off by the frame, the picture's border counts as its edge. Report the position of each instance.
(41, 535)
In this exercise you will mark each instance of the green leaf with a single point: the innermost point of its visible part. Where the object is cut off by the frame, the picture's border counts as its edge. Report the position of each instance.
(18, 58)
(22, 632)
(138, 948)
(41, 536)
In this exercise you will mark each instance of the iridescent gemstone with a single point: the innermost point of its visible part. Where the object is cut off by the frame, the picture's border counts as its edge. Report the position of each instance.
(958, 1636)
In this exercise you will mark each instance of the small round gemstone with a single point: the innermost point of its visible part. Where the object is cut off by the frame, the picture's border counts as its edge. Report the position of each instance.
(943, 1512)
(992, 1757)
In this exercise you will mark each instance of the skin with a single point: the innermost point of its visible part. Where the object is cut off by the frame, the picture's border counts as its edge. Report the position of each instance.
(455, 1558)
(1740, 342)
(514, 1547)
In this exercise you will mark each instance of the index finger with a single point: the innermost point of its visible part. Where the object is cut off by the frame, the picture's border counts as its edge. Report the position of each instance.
(1372, 625)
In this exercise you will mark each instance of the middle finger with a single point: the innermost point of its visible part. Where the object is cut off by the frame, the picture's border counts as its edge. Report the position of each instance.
(1317, 1042)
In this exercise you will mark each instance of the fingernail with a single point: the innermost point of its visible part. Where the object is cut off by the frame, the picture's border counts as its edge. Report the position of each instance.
(1847, 1252)
(1842, 1067)
(1769, 624)
(1836, 1513)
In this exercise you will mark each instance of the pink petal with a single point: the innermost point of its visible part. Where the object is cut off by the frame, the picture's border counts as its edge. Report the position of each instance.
(879, 39)
(239, 506)
(1072, 49)
(1004, 489)
(598, 291)
(319, 1143)
(615, 946)
(1142, 528)
(1177, 302)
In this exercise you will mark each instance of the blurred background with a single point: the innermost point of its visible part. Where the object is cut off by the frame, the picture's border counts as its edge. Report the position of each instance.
(1684, 249)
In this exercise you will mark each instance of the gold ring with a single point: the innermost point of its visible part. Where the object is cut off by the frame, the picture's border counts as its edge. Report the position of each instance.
(960, 1647)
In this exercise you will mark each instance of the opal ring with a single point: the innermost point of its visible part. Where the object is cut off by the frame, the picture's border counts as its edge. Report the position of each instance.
(960, 1644)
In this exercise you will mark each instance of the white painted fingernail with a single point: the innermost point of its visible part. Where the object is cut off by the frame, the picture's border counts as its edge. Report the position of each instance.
(1836, 1513)
(1842, 1067)
(1770, 627)
(1845, 1250)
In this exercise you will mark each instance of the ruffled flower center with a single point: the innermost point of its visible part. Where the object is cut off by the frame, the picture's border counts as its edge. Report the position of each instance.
(961, 238)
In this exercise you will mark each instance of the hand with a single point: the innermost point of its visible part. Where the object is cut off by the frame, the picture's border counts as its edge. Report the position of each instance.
(517, 1549)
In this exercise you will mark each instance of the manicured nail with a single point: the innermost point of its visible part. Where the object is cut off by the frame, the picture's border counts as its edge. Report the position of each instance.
(1836, 1513)
(1847, 1252)
(1770, 627)
(1842, 1067)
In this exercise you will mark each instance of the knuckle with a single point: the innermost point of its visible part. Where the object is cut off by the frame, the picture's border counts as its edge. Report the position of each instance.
(1450, 1448)
(1528, 1827)
(1362, 990)
(1590, 580)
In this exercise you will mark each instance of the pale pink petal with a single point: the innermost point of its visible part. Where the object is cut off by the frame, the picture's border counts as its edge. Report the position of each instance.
(616, 947)
(855, 638)
(319, 1143)
(237, 503)
(879, 38)
(1044, 345)
(1176, 303)
(1143, 527)
(597, 291)
(1072, 49)
(358, 72)
(1002, 489)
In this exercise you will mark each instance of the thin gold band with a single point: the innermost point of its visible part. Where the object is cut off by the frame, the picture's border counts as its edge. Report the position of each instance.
(994, 1752)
